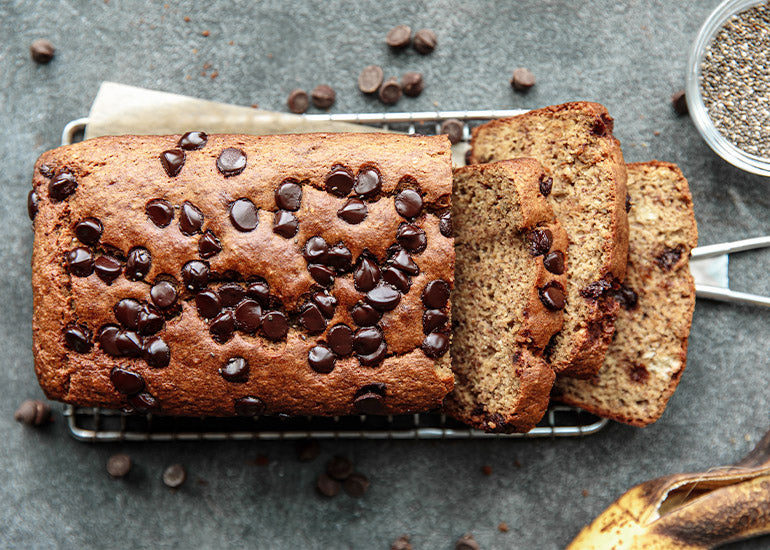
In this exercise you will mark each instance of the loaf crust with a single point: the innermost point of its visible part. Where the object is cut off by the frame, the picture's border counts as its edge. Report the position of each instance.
(574, 142)
(117, 176)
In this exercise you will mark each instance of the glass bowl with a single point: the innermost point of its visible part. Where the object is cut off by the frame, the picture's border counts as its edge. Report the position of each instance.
(698, 112)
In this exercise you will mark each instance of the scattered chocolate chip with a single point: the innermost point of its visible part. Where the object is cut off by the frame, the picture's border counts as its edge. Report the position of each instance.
(408, 203)
(160, 212)
(546, 184)
(365, 315)
(467, 542)
(190, 219)
(315, 250)
(366, 274)
(339, 181)
(397, 278)
(356, 485)
(89, 230)
(144, 403)
(80, 261)
(222, 327)
(138, 263)
(230, 294)
(32, 204)
(445, 224)
(125, 381)
(323, 275)
(243, 215)
(285, 224)
(108, 340)
(308, 450)
(353, 212)
(552, 297)
(522, 79)
(118, 465)
(366, 340)
(628, 203)
(370, 79)
(339, 257)
(368, 183)
(289, 195)
(231, 162)
(312, 319)
(383, 297)
(235, 370)
(412, 84)
(554, 262)
(192, 141)
(163, 294)
(321, 359)
(435, 344)
(107, 268)
(33, 412)
(679, 103)
(602, 126)
(370, 399)
(156, 352)
(399, 37)
(375, 358)
(390, 91)
(172, 161)
(129, 343)
(339, 468)
(209, 245)
(248, 316)
(326, 303)
(77, 338)
(323, 96)
(626, 297)
(436, 294)
(401, 543)
(195, 275)
(326, 486)
(127, 312)
(249, 406)
(42, 51)
(404, 262)
(208, 304)
(260, 291)
(62, 186)
(453, 129)
(340, 340)
(412, 238)
(425, 41)
(150, 320)
(433, 319)
(298, 101)
(274, 325)
(667, 259)
(540, 241)
(174, 476)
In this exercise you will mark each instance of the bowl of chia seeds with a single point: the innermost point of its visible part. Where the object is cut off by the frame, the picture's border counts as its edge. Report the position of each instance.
(728, 83)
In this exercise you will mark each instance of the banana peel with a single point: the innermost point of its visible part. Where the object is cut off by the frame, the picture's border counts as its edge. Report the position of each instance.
(694, 511)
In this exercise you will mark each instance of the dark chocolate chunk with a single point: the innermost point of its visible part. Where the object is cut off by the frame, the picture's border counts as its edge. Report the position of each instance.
(127, 312)
(323, 275)
(399, 36)
(628, 203)
(190, 219)
(222, 327)
(172, 161)
(230, 294)
(326, 303)
(540, 241)
(370, 78)
(425, 41)
(192, 141)
(77, 338)
(390, 91)
(679, 103)
(150, 320)
(62, 186)
(260, 291)
(119, 465)
(315, 250)
(453, 129)
(667, 259)
(235, 370)
(366, 274)
(129, 343)
(445, 224)
(32, 204)
(138, 263)
(144, 402)
(174, 476)
(375, 358)
(340, 340)
(308, 450)
(554, 262)
(156, 352)
(546, 185)
(552, 297)
(597, 289)
(339, 181)
(285, 224)
(397, 278)
(249, 406)
(312, 319)
(298, 101)
(248, 316)
(339, 468)
(326, 486)
(125, 381)
(356, 485)
(366, 340)
(89, 230)
(408, 203)
(208, 304)
(383, 297)
(231, 162)
(107, 337)
(289, 195)
(323, 96)
(404, 262)
(339, 257)
(626, 297)
(602, 126)
(195, 275)
(522, 79)
(163, 294)
(209, 245)
(435, 344)
(107, 268)
(412, 238)
(321, 359)
(42, 51)
(353, 212)
(433, 319)
(365, 315)
(412, 84)
(160, 212)
(274, 325)
(244, 215)
(80, 261)
(370, 399)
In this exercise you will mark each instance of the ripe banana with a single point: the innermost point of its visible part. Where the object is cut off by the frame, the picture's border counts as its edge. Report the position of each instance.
(688, 511)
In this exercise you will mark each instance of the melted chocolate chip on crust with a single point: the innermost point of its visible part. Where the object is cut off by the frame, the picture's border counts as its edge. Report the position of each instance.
(260, 291)
(365, 315)
(195, 275)
(434, 319)
(412, 238)
(209, 245)
(32, 204)
(107, 337)
(248, 316)
(445, 224)
(192, 141)
(315, 250)
(540, 241)
(80, 261)
(366, 274)
(368, 183)
(208, 304)
(326, 303)
(156, 353)
(77, 338)
(554, 262)
(244, 215)
(435, 344)
(339, 181)
(190, 219)
(370, 399)
(230, 294)
(339, 257)
(404, 262)
(125, 381)
(129, 343)
(127, 312)
(249, 406)
(144, 402)
(375, 358)
(397, 278)
(552, 297)
(289, 195)
(383, 297)
(222, 327)
(231, 162)
(366, 340)
(89, 230)
(62, 186)
(321, 359)
(408, 203)
(436, 294)
(236, 370)
(275, 325)
(285, 224)
(340, 339)
(312, 319)
(150, 320)
(160, 212)
(172, 161)
(138, 263)
(163, 294)
(353, 212)
(323, 275)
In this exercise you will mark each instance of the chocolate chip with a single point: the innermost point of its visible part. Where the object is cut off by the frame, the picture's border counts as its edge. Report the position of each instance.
(127, 312)
(326, 303)
(552, 297)
(312, 319)
(108, 340)
(308, 450)
(289, 195)
(425, 41)
(368, 183)
(353, 212)
(436, 294)
(365, 315)
(412, 238)
(339, 181)
(274, 325)
(125, 381)
(315, 250)
(46, 171)
(89, 230)
(119, 465)
(156, 353)
(628, 203)
(602, 126)
(596, 290)
(243, 215)
(209, 245)
(522, 79)
(129, 343)
(339, 468)
(340, 340)
(321, 359)
(467, 542)
(195, 275)
(667, 259)
(235, 370)
(370, 79)
(144, 402)
(433, 319)
(62, 186)
(285, 224)
(404, 262)
(172, 161)
(383, 297)
(174, 476)
(370, 399)
(339, 257)
(192, 141)
(208, 304)
(150, 320)
(163, 294)
(679, 103)
(160, 212)
(260, 291)
(554, 262)
(326, 486)
(42, 51)
(390, 91)
(138, 263)
(412, 84)
(375, 358)
(399, 37)
(366, 340)
(626, 297)
(408, 203)
(80, 261)
(249, 406)
(33, 412)
(540, 241)
(435, 345)
(32, 204)
(366, 274)
(190, 219)
(356, 485)
(323, 96)
(298, 101)
(546, 184)
(231, 162)
(77, 337)
(248, 316)
(323, 275)
(222, 327)
(230, 294)
(445, 224)
(397, 278)
(453, 129)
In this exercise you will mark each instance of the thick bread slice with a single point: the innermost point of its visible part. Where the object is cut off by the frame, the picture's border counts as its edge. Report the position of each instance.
(505, 302)
(574, 143)
(648, 354)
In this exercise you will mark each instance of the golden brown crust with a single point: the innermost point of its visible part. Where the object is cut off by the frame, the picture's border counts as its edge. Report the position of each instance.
(117, 176)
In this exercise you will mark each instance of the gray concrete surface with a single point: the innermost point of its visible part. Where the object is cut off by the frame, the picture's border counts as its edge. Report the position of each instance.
(54, 491)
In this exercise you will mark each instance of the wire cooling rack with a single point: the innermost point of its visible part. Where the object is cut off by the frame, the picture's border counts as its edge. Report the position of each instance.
(102, 425)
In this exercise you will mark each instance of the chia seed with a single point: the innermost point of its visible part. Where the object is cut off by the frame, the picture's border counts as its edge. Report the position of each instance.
(735, 80)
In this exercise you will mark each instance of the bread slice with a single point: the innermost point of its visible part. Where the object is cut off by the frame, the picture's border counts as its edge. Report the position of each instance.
(649, 351)
(574, 143)
(506, 304)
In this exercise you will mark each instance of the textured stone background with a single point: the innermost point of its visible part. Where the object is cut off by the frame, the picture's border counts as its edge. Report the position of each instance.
(54, 491)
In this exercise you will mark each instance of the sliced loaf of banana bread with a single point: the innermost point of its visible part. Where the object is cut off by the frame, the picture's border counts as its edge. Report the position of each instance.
(648, 353)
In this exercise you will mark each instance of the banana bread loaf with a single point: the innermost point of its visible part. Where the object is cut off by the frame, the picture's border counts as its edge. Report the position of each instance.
(230, 274)
(648, 353)
(587, 191)
(509, 295)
